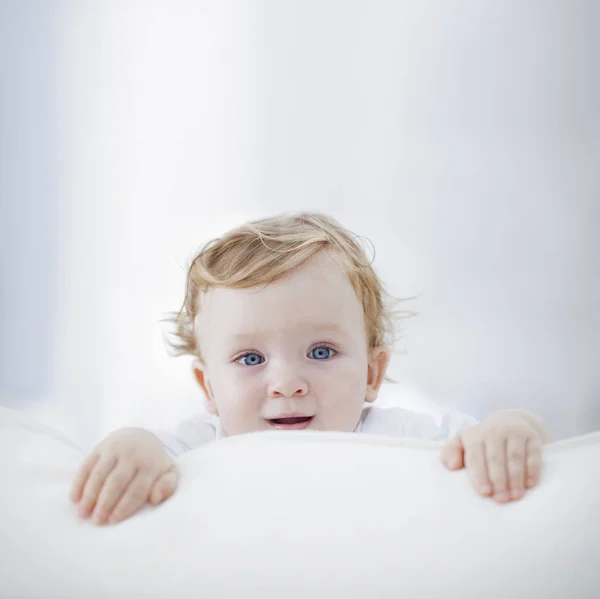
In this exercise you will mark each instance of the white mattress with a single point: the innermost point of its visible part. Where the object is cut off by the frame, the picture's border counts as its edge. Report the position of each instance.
(276, 515)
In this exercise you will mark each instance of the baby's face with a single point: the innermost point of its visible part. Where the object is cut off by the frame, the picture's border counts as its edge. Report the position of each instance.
(291, 355)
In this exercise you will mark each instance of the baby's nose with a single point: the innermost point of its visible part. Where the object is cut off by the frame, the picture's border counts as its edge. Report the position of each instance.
(290, 386)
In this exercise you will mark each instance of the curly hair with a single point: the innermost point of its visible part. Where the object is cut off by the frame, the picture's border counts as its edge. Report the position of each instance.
(263, 251)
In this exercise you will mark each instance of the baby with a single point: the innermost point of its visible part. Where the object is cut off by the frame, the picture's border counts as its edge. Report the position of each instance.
(289, 328)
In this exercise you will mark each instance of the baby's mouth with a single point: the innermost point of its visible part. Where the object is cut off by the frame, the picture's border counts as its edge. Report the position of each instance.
(291, 422)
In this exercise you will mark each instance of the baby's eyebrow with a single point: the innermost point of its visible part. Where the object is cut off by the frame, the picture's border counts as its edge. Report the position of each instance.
(246, 336)
(330, 327)
(311, 326)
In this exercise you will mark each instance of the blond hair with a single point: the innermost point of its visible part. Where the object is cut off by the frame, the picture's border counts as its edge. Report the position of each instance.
(263, 251)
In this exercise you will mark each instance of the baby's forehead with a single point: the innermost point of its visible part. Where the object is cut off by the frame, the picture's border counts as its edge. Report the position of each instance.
(295, 305)
(302, 326)
(318, 277)
(303, 307)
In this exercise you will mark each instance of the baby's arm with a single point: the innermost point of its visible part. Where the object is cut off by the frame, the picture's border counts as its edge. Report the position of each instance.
(132, 467)
(502, 454)
(189, 434)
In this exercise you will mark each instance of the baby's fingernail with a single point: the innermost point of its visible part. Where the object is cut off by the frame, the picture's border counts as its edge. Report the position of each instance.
(83, 511)
(530, 482)
(516, 493)
(501, 497)
(485, 489)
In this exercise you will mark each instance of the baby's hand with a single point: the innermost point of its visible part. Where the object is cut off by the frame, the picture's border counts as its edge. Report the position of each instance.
(503, 454)
(129, 468)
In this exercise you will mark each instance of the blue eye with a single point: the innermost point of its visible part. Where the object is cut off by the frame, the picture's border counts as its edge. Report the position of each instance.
(251, 359)
(321, 353)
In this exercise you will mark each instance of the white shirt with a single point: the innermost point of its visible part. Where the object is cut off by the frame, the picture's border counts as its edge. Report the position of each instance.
(395, 422)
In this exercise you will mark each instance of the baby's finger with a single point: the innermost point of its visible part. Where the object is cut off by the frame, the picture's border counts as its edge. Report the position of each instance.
(134, 497)
(94, 483)
(82, 476)
(515, 458)
(164, 486)
(533, 462)
(114, 487)
(476, 467)
(495, 457)
(452, 454)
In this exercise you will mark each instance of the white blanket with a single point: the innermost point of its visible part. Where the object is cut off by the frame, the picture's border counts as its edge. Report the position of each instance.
(315, 515)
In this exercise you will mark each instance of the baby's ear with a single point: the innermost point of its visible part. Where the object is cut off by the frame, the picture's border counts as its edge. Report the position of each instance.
(378, 363)
(204, 382)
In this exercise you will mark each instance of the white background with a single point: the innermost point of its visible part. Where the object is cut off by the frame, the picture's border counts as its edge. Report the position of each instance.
(462, 138)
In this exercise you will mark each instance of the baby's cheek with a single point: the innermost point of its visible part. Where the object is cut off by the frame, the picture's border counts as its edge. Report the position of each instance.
(239, 406)
(239, 419)
(343, 398)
